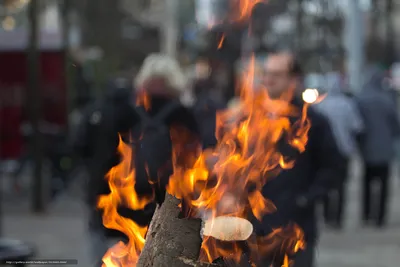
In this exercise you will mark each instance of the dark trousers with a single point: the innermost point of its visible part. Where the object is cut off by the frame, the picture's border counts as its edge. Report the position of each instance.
(335, 201)
(371, 201)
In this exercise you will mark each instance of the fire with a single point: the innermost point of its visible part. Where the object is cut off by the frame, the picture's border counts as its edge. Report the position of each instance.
(245, 7)
(246, 156)
(121, 180)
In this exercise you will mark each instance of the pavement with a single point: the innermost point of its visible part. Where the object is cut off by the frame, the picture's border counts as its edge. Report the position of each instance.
(359, 246)
(60, 233)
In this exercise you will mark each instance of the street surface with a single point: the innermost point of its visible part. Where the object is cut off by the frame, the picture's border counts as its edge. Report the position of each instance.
(60, 234)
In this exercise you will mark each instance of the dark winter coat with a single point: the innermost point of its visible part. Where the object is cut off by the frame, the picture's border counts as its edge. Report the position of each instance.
(98, 142)
(314, 174)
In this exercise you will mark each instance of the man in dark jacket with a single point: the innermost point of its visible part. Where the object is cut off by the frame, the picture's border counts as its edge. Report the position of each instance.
(382, 129)
(295, 191)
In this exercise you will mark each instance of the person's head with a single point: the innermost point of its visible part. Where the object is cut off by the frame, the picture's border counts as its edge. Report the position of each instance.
(374, 78)
(282, 72)
(161, 75)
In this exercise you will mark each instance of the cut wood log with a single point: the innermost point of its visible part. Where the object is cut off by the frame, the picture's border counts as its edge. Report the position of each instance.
(172, 241)
(228, 228)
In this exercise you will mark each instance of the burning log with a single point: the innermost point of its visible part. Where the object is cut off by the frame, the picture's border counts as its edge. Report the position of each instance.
(175, 241)
(171, 240)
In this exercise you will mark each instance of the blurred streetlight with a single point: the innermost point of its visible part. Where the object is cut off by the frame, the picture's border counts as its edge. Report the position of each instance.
(310, 95)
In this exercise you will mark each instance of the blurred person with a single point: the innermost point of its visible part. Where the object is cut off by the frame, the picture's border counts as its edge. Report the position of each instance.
(95, 142)
(382, 129)
(209, 82)
(52, 148)
(76, 115)
(395, 76)
(314, 80)
(260, 18)
(346, 124)
(160, 119)
(243, 65)
(165, 119)
(209, 100)
(295, 191)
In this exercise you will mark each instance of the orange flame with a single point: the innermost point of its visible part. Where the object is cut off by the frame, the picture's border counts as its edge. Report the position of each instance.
(143, 99)
(221, 42)
(245, 157)
(241, 12)
(245, 7)
(121, 180)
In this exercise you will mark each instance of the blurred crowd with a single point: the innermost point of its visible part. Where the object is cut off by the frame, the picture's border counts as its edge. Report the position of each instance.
(167, 109)
(163, 95)
(343, 125)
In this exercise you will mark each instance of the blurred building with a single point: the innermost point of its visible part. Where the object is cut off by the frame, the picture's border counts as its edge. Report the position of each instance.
(14, 36)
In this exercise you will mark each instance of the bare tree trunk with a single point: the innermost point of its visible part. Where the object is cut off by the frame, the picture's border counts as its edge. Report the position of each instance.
(35, 101)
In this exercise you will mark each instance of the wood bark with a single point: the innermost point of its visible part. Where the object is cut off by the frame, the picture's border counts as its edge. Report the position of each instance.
(171, 240)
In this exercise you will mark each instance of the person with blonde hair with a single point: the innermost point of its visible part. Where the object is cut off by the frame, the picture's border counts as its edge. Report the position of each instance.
(165, 135)
(160, 120)
(164, 121)
(163, 97)
(162, 76)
